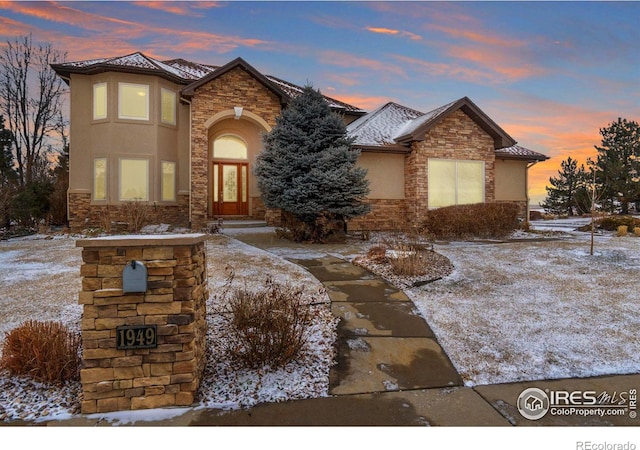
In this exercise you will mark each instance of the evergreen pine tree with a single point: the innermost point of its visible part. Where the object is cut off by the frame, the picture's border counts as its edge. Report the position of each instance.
(568, 191)
(307, 167)
(617, 163)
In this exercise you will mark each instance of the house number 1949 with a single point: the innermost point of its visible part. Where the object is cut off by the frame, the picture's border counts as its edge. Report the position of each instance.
(136, 336)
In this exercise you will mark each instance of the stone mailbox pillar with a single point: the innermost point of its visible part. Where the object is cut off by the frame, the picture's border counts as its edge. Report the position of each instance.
(143, 349)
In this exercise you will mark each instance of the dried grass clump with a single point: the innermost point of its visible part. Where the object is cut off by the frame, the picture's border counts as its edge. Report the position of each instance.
(377, 253)
(636, 231)
(623, 230)
(408, 263)
(482, 220)
(44, 351)
(267, 327)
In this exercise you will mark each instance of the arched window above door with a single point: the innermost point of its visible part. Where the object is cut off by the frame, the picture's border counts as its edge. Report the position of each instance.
(229, 146)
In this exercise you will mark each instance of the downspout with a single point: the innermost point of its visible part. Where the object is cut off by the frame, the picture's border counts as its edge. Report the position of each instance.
(68, 81)
(189, 103)
(526, 179)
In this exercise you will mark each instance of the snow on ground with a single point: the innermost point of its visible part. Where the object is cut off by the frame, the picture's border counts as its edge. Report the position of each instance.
(39, 279)
(537, 310)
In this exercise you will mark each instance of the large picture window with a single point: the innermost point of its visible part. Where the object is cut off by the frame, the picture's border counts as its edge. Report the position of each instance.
(99, 101)
(455, 182)
(100, 179)
(133, 101)
(168, 183)
(134, 179)
(168, 106)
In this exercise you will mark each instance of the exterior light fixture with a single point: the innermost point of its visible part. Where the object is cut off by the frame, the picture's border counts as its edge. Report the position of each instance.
(238, 111)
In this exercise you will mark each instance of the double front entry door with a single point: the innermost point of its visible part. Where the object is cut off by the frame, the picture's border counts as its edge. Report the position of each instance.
(230, 189)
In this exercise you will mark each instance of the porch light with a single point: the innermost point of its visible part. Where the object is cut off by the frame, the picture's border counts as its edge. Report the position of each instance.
(238, 112)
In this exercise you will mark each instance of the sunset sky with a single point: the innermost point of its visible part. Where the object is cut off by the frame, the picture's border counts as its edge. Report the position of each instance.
(551, 74)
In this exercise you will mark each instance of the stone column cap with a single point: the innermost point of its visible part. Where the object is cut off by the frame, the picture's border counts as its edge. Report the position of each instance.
(142, 240)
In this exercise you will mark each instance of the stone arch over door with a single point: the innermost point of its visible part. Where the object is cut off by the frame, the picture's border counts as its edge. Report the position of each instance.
(234, 171)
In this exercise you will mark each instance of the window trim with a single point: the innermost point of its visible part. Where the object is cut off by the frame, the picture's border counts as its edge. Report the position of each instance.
(106, 180)
(106, 101)
(483, 165)
(222, 158)
(147, 101)
(174, 96)
(128, 158)
(175, 169)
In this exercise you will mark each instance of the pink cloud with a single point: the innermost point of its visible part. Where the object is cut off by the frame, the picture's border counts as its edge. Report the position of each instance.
(179, 8)
(343, 59)
(392, 32)
(104, 28)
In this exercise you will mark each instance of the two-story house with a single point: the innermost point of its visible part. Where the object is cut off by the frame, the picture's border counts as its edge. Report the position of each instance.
(182, 137)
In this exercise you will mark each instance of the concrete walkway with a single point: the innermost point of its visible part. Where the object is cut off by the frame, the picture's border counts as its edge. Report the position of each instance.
(391, 370)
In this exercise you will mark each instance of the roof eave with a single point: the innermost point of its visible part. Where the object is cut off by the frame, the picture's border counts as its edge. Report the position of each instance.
(396, 149)
(190, 89)
(66, 71)
(500, 137)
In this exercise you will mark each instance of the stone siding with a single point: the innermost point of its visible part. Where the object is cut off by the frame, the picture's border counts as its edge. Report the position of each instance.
(457, 136)
(234, 88)
(83, 214)
(128, 379)
(388, 214)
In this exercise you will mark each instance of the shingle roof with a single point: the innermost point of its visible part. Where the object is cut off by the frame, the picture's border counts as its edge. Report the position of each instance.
(378, 128)
(519, 152)
(392, 127)
(176, 70)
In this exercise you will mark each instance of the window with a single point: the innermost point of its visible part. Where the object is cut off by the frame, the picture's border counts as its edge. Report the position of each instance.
(168, 182)
(100, 179)
(134, 179)
(229, 147)
(454, 182)
(167, 106)
(99, 101)
(133, 101)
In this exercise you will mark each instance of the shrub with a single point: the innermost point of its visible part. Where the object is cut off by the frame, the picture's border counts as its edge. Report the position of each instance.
(482, 220)
(636, 231)
(136, 213)
(267, 327)
(622, 230)
(377, 253)
(611, 223)
(326, 228)
(44, 351)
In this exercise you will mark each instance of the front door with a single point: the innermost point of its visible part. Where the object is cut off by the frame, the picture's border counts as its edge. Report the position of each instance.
(230, 190)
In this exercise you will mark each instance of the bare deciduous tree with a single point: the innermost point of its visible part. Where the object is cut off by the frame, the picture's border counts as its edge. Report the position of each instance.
(31, 102)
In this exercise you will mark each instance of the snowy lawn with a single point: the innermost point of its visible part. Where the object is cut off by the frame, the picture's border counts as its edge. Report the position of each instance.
(39, 279)
(537, 310)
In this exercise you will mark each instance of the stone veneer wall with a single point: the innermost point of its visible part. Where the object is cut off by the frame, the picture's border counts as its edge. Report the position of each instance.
(175, 301)
(388, 214)
(82, 214)
(455, 137)
(234, 88)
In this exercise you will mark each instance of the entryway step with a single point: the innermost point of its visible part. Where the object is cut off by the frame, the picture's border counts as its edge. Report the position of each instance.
(243, 223)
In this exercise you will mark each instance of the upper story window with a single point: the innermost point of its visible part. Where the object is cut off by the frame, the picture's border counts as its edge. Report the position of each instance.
(99, 101)
(133, 101)
(168, 106)
(229, 147)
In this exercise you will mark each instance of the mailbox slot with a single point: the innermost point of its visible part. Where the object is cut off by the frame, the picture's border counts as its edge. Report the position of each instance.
(134, 277)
